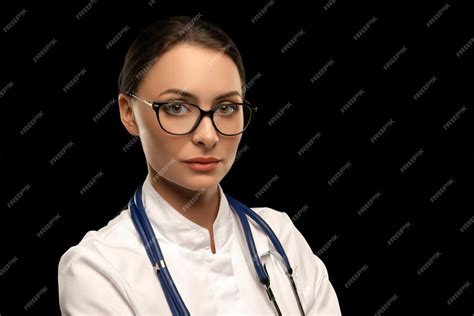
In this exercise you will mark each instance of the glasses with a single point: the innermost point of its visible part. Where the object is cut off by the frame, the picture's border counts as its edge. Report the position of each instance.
(181, 118)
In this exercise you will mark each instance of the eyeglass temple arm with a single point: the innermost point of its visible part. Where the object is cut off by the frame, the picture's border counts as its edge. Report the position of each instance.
(137, 97)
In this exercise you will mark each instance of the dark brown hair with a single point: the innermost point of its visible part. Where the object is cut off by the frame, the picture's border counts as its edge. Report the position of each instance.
(163, 35)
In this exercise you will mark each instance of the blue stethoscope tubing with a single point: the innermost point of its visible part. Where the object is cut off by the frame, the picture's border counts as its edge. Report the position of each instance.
(153, 250)
(242, 210)
(175, 302)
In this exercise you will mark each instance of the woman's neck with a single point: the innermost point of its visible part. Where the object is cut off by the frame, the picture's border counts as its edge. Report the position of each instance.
(199, 206)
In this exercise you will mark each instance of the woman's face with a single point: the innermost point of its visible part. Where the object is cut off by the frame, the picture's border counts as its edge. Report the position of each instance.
(205, 74)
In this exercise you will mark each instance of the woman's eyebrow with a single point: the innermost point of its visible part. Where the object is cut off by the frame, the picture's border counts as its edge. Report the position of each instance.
(195, 98)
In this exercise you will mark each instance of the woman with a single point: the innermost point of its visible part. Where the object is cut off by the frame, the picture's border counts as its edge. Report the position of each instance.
(175, 71)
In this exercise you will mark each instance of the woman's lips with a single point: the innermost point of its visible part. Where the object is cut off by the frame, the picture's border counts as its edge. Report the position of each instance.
(202, 166)
(203, 159)
(203, 163)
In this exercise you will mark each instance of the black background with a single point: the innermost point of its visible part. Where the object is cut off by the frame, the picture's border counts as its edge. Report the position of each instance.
(29, 262)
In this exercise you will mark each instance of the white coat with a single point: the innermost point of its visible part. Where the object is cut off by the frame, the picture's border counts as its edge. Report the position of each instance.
(109, 272)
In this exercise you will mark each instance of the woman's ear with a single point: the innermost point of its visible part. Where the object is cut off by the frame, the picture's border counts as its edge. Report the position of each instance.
(126, 115)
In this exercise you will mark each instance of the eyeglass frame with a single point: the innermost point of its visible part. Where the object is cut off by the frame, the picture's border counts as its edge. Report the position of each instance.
(155, 105)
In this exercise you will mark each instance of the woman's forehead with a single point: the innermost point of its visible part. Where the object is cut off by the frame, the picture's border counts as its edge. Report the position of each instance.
(204, 72)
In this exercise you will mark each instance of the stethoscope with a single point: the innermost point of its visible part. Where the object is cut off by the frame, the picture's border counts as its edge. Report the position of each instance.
(175, 302)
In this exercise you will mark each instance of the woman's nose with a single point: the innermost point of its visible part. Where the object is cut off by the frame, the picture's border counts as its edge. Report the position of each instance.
(205, 133)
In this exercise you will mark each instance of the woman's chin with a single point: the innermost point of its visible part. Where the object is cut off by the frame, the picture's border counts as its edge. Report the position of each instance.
(200, 182)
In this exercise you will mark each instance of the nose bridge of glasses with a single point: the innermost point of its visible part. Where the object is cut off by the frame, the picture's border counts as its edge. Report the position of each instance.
(201, 113)
(208, 116)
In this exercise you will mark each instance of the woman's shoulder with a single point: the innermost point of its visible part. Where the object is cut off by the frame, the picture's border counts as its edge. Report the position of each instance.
(279, 222)
(96, 266)
(272, 215)
(104, 244)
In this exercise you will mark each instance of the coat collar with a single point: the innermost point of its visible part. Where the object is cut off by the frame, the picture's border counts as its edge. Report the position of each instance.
(181, 231)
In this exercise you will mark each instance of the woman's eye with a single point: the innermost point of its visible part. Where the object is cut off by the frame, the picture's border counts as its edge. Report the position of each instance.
(227, 109)
(176, 108)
